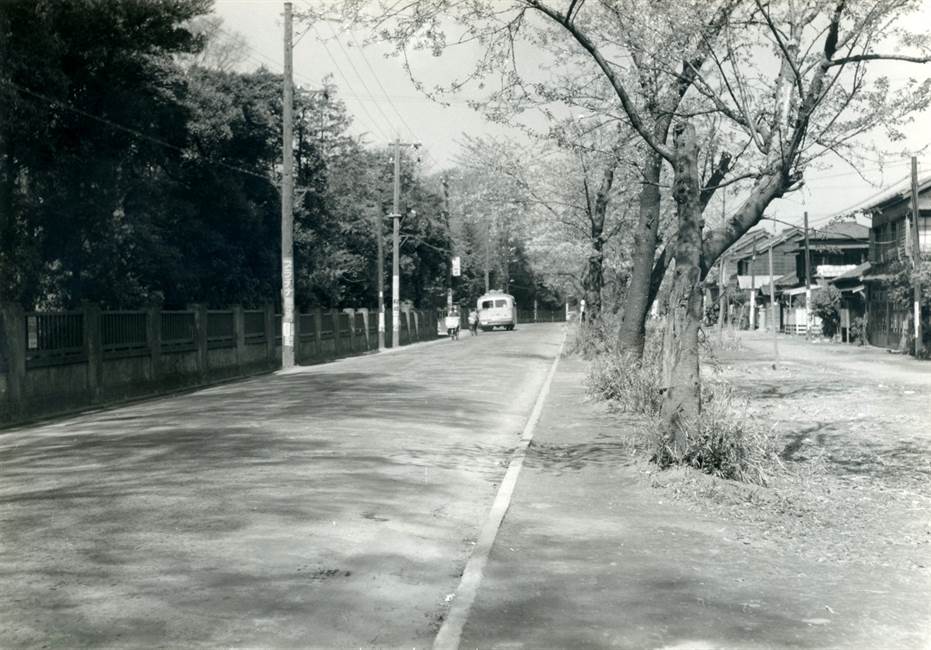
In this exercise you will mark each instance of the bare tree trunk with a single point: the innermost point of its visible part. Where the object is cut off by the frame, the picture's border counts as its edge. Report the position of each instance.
(594, 278)
(682, 400)
(637, 302)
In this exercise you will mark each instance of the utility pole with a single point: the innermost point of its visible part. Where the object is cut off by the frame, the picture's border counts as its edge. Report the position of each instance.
(380, 238)
(287, 202)
(772, 300)
(396, 245)
(722, 293)
(807, 282)
(916, 260)
(753, 289)
(449, 291)
(721, 281)
(395, 249)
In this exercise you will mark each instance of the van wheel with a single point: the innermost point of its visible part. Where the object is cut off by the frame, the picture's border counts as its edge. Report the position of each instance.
(509, 328)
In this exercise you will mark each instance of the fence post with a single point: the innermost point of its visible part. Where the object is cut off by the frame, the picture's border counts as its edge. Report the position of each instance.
(318, 328)
(92, 348)
(270, 334)
(153, 334)
(334, 315)
(200, 337)
(352, 328)
(416, 325)
(239, 335)
(13, 353)
(298, 357)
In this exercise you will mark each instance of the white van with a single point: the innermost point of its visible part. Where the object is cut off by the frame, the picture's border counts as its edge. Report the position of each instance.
(497, 309)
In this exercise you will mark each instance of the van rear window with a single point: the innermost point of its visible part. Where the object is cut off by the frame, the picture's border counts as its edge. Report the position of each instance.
(488, 304)
(501, 303)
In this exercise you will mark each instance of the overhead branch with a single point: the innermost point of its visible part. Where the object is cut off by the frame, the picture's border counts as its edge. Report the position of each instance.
(714, 182)
(790, 59)
(582, 39)
(876, 57)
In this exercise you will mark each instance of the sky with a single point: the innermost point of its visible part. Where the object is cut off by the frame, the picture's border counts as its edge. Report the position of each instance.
(386, 105)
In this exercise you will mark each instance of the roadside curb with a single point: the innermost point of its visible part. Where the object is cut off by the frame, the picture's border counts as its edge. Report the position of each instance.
(450, 633)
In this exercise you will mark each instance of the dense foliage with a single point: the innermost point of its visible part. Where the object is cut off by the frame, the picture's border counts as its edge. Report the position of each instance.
(825, 304)
(135, 169)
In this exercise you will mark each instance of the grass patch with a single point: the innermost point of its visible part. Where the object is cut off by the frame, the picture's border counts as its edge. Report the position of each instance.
(725, 441)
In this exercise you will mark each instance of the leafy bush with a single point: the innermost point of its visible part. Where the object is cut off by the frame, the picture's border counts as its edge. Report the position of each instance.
(825, 303)
(858, 330)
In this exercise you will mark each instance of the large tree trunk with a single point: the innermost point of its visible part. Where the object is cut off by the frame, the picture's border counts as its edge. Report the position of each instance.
(637, 302)
(682, 399)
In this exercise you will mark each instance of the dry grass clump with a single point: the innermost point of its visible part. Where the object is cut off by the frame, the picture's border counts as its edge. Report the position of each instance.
(628, 384)
(725, 441)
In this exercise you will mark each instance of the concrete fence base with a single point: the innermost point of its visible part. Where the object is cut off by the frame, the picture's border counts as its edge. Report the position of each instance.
(46, 368)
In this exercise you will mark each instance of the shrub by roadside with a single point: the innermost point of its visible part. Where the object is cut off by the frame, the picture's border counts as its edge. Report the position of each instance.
(724, 441)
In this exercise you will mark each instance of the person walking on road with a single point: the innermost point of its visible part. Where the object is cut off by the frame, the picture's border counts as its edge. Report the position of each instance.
(473, 322)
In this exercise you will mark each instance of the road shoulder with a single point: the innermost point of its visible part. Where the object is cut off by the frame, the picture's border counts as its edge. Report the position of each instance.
(590, 555)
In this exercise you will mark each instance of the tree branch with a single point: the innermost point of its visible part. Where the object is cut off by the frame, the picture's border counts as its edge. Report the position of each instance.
(875, 57)
(717, 176)
(635, 121)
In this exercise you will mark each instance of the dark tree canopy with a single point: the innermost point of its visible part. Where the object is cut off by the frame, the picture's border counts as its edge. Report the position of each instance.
(132, 171)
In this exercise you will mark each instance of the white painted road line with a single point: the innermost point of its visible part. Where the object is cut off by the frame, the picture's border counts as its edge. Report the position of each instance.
(450, 633)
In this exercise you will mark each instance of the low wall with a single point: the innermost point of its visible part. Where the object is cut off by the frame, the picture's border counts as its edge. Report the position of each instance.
(55, 362)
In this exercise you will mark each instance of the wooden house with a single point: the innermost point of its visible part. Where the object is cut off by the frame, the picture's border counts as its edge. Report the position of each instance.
(891, 249)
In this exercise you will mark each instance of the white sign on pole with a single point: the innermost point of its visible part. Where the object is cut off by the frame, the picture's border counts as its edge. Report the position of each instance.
(456, 267)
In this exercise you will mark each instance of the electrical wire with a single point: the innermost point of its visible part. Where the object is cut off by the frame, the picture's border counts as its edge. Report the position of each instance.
(384, 92)
(348, 85)
(126, 129)
(265, 61)
(358, 76)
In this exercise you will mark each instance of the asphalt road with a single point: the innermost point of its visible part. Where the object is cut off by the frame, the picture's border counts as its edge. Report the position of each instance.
(332, 506)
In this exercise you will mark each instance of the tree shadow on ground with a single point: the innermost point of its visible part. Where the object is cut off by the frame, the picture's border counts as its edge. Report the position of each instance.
(617, 588)
(578, 456)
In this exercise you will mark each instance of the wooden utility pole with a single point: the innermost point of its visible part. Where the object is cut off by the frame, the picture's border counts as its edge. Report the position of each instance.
(807, 282)
(287, 202)
(753, 289)
(722, 287)
(395, 250)
(722, 297)
(916, 260)
(380, 238)
(396, 245)
(449, 289)
(772, 300)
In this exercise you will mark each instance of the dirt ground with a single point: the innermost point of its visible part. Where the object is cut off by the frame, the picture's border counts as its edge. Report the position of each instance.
(854, 426)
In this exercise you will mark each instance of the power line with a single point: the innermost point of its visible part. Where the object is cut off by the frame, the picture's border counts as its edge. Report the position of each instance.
(126, 129)
(388, 97)
(854, 172)
(265, 61)
(348, 85)
(384, 92)
(862, 202)
(359, 76)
